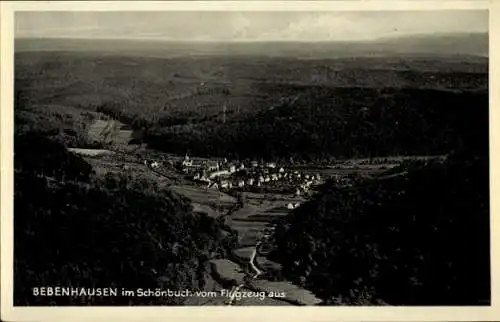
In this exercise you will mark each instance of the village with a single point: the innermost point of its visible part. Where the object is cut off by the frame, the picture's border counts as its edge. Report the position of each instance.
(226, 175)
(249, 176)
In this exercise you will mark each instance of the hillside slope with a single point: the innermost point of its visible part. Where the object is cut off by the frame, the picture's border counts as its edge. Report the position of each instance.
(416, 239)
(72, 228)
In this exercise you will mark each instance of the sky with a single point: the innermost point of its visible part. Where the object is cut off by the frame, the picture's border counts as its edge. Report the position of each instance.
(247, 26)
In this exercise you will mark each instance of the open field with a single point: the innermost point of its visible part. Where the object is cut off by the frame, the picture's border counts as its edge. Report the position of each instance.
(255, 225)
(103, 131)
(266, 264)
(248, 232)
(123, 136)
(250, 222)
(244, 253)
(204, 196)
(228, 272)
(110, 132)
(343, 171)
(91, 152)
(206, 209)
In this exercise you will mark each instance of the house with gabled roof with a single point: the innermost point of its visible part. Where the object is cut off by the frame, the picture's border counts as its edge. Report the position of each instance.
(213, 185)
(271, 165)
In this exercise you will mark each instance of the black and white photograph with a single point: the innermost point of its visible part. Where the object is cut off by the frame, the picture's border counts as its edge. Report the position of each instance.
(251, 158)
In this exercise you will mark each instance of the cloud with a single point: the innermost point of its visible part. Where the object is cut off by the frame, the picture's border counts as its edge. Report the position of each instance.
(323, 26)
(240, 26)
(345, 26)
(247, 26)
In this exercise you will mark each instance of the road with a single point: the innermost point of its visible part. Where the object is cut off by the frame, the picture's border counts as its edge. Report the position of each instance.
(255, 269)
(251, 281)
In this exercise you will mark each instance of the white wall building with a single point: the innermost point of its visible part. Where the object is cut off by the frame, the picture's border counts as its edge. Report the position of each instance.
(218, 173)
(271, 165)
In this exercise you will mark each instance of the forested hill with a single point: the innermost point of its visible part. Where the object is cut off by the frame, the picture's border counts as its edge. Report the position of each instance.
(275, 107)
(323, 122)
(74, 229)
(416, 239)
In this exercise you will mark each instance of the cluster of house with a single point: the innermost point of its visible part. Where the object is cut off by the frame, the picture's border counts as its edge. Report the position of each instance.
(152, 163)
(292, 205)
(306, 181)
(218, 175)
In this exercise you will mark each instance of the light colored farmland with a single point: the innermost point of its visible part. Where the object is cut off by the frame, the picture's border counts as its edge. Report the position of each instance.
(251, 220)
(249, 237)
(244, 253)
(91, 152)
(266, 263)
(206, 209)
(227, 271)
(123, 137)
(202, 195)
(246, 211)
(99, 129)
(109, 131)
(248, 225)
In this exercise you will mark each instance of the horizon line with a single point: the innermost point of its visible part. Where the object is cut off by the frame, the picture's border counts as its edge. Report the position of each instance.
(395, 37)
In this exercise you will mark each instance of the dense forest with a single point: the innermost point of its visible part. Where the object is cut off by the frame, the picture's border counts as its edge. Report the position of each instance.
(274, 107)
(72, 228)
(342, 122)
(63, 124)
(315, 123)
(418, 239)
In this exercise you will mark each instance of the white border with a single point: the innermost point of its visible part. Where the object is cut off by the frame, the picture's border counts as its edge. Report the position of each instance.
(243, 5)
(235, 313)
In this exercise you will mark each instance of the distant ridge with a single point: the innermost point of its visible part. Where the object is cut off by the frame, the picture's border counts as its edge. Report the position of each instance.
(470, 44)
(450, 43)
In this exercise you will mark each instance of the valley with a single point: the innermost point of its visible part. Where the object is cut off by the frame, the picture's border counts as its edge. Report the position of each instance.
(251, 143)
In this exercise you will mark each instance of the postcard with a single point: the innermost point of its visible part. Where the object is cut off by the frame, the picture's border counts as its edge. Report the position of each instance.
(250, 160)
